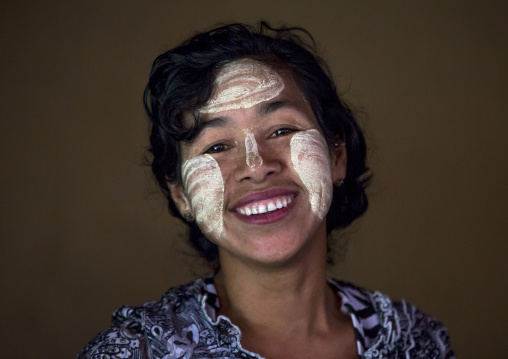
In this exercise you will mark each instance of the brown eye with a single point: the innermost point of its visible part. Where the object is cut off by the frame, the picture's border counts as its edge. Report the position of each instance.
(216, 148)
(282, 132)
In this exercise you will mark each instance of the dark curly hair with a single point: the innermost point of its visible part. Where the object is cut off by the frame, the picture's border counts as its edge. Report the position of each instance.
(182, 80)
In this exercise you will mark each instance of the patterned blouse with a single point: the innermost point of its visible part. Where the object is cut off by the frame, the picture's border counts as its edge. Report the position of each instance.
(183, 324)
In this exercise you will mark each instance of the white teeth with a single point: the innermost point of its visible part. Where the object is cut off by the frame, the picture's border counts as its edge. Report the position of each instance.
(262, 208)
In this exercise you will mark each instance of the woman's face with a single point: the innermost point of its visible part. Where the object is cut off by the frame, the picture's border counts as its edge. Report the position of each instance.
(259, 175)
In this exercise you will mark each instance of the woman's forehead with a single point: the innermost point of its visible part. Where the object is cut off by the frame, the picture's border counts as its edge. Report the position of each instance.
(258, 88)
(243, 84)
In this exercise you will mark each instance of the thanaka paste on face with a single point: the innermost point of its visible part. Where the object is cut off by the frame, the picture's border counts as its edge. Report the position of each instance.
(240, 84)
(243, 84)
(252, 157)
(204, 185)
(309, 154)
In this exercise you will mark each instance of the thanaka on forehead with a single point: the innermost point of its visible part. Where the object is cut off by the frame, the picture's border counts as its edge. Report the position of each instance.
(243, 84)
(264, 109)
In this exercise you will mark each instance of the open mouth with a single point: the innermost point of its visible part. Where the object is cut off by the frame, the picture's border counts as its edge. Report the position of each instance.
(269, 205)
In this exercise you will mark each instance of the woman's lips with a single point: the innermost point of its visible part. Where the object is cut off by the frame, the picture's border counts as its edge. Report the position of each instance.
(265, 207)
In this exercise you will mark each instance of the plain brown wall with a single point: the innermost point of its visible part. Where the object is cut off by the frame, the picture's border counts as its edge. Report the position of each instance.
(84, 231)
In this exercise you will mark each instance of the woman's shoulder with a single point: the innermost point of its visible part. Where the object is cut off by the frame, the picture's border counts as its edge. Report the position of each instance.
(392, 328)
(126, 338)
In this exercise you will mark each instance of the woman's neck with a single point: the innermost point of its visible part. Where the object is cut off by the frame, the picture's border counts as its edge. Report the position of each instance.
(292, 295)
(288, 309)
(277, 301)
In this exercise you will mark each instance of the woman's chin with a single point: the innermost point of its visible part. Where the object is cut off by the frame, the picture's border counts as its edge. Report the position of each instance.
(271, 239)
(278, 247)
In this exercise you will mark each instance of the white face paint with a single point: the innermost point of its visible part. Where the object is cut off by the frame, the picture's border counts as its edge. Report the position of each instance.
(309, 154)
(252, 157)
(243, 84)
(204, 185)
(240, 84)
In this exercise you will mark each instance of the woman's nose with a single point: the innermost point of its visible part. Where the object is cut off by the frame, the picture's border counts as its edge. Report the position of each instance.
(255, 164)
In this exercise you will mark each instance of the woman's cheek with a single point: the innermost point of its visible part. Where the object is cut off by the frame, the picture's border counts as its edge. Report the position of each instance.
(309, 154)
(204, 185)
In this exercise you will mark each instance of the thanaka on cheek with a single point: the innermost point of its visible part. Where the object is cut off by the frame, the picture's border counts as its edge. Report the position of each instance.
(309, 154)
(204, 185)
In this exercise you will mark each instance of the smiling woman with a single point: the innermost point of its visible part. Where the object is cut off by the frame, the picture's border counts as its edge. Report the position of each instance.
(255, 150)
(264, 148)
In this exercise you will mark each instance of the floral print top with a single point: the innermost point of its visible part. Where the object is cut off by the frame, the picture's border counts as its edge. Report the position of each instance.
(183, 325)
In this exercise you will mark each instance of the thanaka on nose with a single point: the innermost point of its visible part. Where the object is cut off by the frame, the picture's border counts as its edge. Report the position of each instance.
(252, 157)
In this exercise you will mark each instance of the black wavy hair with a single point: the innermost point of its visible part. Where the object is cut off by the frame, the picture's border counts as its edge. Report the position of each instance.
(182, 80)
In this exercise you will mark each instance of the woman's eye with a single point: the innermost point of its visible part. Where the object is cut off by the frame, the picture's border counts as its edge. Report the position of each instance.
(218, 147)
(282, 132)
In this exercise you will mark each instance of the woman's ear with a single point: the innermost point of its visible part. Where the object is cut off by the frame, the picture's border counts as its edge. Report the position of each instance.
(339, 162)
(179, 197)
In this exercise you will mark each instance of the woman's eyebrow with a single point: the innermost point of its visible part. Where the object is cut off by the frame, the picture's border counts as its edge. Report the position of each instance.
(212, 122)
(270, 107)
(263, 110)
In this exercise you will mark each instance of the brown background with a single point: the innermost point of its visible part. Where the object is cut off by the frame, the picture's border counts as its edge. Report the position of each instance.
(83, 229)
